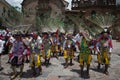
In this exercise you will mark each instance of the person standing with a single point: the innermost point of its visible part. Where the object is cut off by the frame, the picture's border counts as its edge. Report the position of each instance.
(104, 48)
(35, 57)
(85, 54)
(17, 52)
(68, 51)
(1, 50)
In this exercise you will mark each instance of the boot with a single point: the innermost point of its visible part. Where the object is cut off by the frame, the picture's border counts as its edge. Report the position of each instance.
(27, 60)
(71, 62)
(40, 70)
(53, 54)
(98, 67)
(81, 70)
(56, 55)
(47, 63)
(88, 67)
(66, 63)
(106, 69)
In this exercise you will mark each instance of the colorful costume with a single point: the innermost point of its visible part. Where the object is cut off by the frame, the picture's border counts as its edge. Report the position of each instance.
(35, 59)
(54, 47)
(17, 52)
(68, 52)
(85, 55)
(1, 45)
(1, 50)
(104, 48)
(46, 51)
(59, 48)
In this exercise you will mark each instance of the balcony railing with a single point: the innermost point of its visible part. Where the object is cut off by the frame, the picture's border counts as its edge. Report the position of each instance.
(88, 3)
(83, 6)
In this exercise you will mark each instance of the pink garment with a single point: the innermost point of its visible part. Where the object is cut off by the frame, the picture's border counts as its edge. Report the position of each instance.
(18, 49)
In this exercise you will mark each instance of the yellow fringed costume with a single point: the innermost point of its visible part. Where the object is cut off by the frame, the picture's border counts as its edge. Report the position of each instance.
(48, 55)
(103, 57)
(69, 53)
(85, 55)
(35, 60)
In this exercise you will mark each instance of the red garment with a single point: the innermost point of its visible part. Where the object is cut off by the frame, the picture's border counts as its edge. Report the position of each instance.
(77, 42)
(1, 37)
(28, 52)
(42, 47)
(107, 39)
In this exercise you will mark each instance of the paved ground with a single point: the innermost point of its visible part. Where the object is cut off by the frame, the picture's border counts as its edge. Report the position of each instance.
(56, 70)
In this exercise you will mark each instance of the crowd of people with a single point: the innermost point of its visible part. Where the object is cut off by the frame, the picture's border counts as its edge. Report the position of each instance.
(32, 47)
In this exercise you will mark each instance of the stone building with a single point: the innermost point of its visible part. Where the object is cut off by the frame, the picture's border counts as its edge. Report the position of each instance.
(8, 13)
(4, 11)
(91, 6)
(33, 8)
(86, 8)
(4, 6)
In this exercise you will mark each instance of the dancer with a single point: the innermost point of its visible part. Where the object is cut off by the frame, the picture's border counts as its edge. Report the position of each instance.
(85, 54)
(1, 50)
(35, 60)
(104, 48)
(18, 52)
(68, 51)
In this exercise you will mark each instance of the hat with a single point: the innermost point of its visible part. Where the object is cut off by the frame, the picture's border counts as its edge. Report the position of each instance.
(18, 34)
(105, 31)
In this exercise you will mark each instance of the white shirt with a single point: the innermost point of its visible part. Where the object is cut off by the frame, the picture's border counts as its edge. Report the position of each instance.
(1, 45)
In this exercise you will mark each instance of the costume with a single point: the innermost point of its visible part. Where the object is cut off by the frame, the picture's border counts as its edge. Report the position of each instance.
(35, 57)
(46, 51)
(68, 52)
(17, 52)
(104, 48)
(54, 46)
(27, 41)
(59, 48)
(9, 43)
(1, 50)
(1, 45)
(85, 55)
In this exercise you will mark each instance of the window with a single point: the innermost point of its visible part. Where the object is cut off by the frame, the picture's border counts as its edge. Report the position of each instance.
(105, 2)
(111, 2)
(76, 4)
(75, 0)
(8, 13)
(73, 5)
(93, 2)
(4, 10)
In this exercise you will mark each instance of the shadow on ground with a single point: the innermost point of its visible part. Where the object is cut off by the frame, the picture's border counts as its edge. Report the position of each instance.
(97, 70)
(29, 74)
(84, 75)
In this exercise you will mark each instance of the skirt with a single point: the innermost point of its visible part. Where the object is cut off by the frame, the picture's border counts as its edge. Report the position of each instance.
(15, 61)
